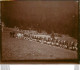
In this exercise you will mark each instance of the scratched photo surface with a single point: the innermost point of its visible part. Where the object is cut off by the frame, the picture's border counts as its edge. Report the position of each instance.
(39, 30)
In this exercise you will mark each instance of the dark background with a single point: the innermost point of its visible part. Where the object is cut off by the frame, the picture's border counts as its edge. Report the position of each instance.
(58, 16)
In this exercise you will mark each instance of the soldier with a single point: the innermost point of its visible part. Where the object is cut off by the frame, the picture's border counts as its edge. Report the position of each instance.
(13, 34)
(52, 35)
(10, 34)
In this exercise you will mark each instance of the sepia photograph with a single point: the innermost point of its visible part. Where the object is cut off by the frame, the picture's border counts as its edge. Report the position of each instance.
(39, 30)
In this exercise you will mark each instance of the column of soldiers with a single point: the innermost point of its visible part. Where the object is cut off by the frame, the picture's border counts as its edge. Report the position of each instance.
(50, 41)
(56, 42)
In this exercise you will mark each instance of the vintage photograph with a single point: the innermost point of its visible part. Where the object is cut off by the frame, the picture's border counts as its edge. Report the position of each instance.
(39, 30)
